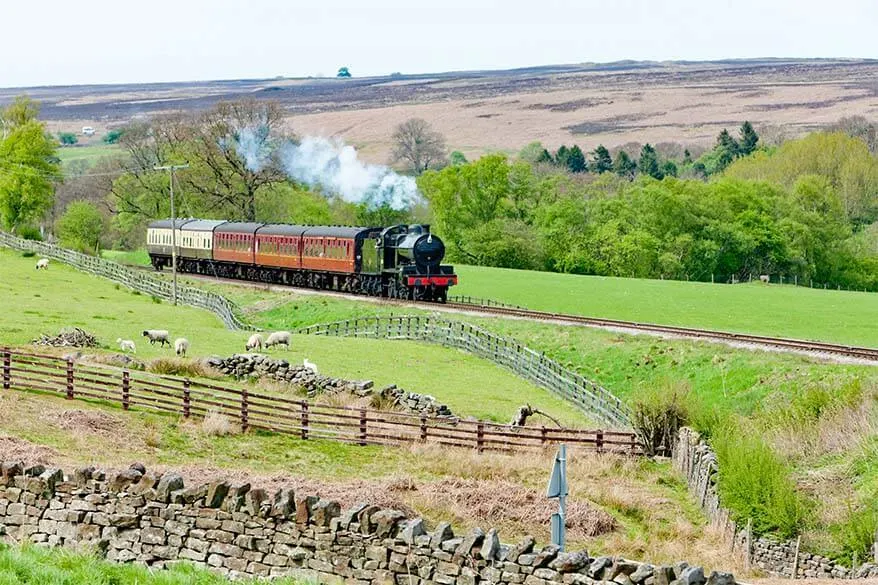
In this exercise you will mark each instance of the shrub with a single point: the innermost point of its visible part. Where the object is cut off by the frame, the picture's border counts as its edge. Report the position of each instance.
(658, 414)
(28, 254)
(755, 483)
(112, 137)
(854, 534)
(216, 424)
(29, 232)
(67, 138)
(80, 227)
(181, 367)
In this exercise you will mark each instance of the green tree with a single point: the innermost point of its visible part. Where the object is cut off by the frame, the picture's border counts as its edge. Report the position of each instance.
(561, 156)
(648, 163)
(80, 227)
(28, 166)
(576, 160)
(343, 72)
(532, 152)
(669, 168)
(113, 136)
(726, 150)
(625, 166)
(601, 161)
(749, 139)
(67, 138)
(457, 158)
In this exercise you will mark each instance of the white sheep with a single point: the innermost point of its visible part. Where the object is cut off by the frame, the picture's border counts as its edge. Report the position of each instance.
(181, 346)
(160, 335)
(310, 365)
(278, 338)
(42, 264)
(255, 342)
(126, 345)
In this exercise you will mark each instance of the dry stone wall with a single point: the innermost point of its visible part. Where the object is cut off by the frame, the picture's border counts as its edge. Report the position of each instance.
(259, 366)
(694, 458)
(137, 515)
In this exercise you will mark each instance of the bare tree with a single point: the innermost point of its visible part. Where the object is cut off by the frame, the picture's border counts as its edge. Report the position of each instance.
(230, 150)
(858, 127)
(416, 143)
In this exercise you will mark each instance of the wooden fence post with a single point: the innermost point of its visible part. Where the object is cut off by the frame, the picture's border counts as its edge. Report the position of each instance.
(363, 434)
(69, 379)
(304, 420)
(480, 437)
(748, 545)
(126, 389)
(244, 408)
(796, 558)
(424, 432)
(7, 368)
(187, 399)
(599, 441)
(544, 435)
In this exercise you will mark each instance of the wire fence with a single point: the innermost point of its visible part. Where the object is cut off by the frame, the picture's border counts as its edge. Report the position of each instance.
(194, 399)
(133, 279)
(586, 395)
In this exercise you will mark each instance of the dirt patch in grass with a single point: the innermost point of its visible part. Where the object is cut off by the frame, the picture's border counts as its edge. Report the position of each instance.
(86, 421)
(15, 449)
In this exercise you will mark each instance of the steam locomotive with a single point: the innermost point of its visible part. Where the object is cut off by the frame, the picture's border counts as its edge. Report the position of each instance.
(401, 261)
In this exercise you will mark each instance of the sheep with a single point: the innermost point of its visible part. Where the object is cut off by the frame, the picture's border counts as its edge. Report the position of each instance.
(255, 342)
(181, 346)
(42, 264)
(764, 278)
(160, 335)
(126, 345)
(278, 338)
(311, 366)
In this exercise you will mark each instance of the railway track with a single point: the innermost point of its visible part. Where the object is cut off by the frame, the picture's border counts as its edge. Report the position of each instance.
(866, 354)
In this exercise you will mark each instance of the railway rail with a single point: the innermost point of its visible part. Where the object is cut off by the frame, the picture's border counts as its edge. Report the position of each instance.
(490, 307)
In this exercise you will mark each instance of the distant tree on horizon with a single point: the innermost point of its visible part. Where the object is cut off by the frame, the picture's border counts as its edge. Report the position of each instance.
(343, 72)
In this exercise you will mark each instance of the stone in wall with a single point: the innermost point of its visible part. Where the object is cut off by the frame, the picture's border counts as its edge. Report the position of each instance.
(239, 530)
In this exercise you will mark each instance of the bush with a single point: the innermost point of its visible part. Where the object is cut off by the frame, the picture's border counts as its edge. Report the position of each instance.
(80, 227)
(181, 367)
(855, 533)
(754, 483)
(216, 424)
(658, 414)
(28, 254)
(112, 137)
(67, 138)
(29, 232)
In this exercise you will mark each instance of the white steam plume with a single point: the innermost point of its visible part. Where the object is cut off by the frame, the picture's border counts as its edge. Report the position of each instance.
(330, 164)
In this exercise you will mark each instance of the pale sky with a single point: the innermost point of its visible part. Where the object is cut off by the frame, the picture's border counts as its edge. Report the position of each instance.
(57, 42)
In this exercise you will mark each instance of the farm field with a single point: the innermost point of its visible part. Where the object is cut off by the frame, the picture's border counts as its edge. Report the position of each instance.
(787, 311)
(36, 302)
(85, 156)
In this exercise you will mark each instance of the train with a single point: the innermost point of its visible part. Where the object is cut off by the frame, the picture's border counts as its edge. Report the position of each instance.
(400, 261)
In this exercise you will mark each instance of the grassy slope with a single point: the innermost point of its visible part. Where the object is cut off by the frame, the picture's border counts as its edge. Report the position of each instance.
(89, 155)
(35, 302)
(648, 503)
(38, 565)
(839, 316)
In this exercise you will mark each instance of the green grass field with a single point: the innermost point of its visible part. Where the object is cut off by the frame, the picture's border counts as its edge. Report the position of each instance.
(788, 311)
(34, 302)
(33, 565)
(86, 156)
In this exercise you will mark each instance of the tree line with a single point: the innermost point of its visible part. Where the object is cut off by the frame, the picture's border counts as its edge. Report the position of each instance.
(805, 209)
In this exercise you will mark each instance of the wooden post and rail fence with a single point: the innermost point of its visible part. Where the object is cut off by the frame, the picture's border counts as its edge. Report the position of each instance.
(194, 399)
